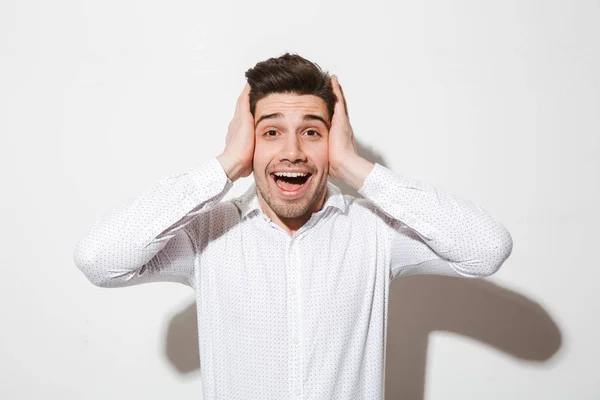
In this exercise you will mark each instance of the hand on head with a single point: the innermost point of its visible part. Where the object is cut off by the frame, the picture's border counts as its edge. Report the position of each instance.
(342, 144)
(239, 143)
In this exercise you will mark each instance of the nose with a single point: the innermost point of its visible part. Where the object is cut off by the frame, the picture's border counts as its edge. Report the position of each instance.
(292, 149)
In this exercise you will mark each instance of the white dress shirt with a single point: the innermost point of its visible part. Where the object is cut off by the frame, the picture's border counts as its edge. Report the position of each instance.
(282, 317)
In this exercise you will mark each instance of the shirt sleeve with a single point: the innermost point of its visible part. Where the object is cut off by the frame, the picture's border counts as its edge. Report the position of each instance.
(434, 232)
(147, 241)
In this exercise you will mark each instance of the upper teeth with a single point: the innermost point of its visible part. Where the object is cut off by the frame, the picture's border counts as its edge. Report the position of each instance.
(290, 174)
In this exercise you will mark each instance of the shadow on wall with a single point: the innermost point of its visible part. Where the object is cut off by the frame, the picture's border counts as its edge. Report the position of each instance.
(419, 305)
(474, 308)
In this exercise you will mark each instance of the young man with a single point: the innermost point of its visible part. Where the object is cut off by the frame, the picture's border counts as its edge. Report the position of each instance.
(292, 278)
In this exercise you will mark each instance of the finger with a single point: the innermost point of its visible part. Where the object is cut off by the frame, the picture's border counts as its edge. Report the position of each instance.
(344, 98)
(337, 89)
(243, 101)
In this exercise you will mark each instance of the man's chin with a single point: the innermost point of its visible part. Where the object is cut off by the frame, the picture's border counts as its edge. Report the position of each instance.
(290, 208)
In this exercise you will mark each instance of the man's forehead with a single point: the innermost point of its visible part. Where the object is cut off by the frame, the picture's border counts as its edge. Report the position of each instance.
(288, 102)
(290, 105)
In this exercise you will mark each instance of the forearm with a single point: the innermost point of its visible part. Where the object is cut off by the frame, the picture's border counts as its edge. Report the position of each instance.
(126, 239)
(457, 230)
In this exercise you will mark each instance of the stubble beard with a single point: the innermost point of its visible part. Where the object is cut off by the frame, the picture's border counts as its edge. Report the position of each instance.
(291, 208)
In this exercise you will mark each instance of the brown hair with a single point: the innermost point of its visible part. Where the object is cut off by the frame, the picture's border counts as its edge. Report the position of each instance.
(289, 73)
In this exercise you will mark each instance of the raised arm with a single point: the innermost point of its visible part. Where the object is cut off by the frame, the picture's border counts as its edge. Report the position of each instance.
(430, 231)
(434, 232)
(146, 241)
(149, 240)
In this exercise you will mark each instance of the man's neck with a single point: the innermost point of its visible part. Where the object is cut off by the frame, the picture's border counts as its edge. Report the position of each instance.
(292, 225)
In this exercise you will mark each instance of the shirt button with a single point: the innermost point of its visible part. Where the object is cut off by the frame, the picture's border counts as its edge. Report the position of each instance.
(296, 340)
(298, 392)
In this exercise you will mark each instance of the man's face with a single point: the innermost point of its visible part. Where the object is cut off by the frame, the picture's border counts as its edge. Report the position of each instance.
(293, 140)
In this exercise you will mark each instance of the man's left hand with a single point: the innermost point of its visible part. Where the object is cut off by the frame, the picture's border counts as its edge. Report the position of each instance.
(342, 145)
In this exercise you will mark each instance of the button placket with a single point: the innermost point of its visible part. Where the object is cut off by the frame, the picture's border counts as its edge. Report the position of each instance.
(295, 328)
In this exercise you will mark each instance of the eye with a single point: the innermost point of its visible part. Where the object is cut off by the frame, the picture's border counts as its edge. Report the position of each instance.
(315, 135)
(267, 133)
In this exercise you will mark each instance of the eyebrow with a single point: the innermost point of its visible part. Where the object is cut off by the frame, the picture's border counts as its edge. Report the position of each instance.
(306, 117)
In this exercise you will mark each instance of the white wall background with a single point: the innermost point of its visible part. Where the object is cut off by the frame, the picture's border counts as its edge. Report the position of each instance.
(498, 102)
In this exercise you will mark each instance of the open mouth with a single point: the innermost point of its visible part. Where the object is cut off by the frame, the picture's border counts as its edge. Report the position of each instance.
(291, 186)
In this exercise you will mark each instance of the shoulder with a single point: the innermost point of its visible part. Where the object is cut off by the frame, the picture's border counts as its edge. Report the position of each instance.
(229, 209)
(221, 217)
(365, 209)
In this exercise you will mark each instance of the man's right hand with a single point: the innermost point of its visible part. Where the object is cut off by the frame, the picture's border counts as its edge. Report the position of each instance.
(238, 155)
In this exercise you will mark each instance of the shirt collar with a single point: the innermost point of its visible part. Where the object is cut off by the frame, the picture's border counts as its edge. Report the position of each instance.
(248, 202)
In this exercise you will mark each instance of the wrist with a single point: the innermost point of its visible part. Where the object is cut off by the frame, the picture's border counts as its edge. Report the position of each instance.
(232, 169)
(355, 170)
